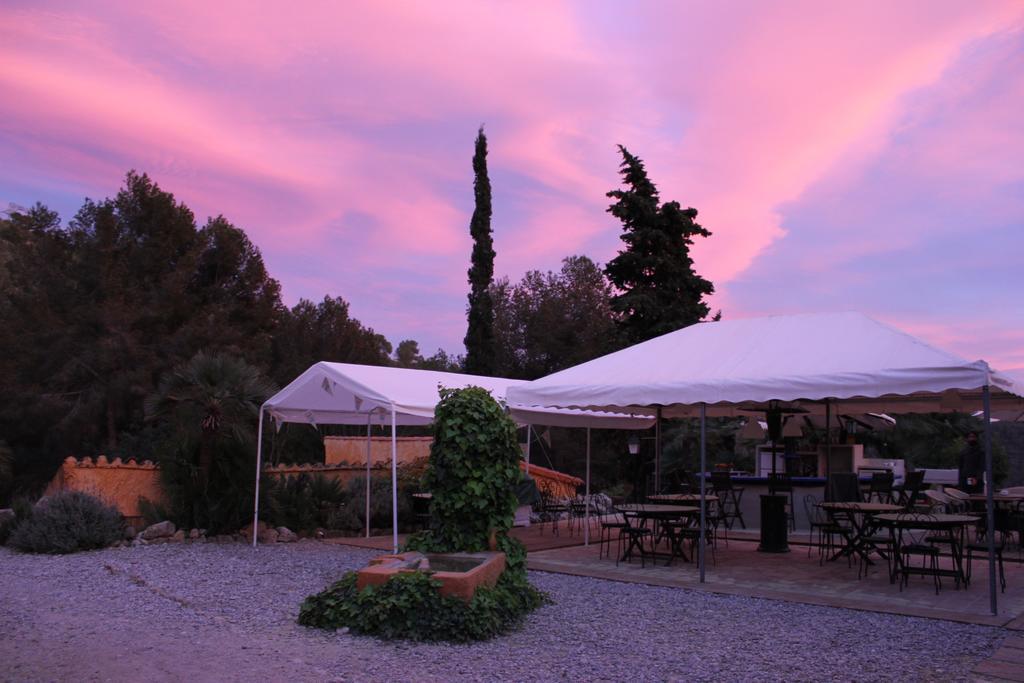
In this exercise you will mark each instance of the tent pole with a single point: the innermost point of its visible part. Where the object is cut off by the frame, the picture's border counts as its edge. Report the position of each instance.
(989, 503)
(657, 453)
(369, 428)
(259, 458)
(703, 503)
(828, 444)
(529, 438)
(586, 499)
(394, 480)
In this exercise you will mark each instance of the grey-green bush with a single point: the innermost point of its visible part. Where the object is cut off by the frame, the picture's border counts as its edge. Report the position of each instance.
(68, 522)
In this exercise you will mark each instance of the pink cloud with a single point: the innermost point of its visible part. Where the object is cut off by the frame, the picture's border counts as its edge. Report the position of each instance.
(290, 119)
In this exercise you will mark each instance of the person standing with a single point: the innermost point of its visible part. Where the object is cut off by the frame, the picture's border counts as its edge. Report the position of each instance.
(972, 465)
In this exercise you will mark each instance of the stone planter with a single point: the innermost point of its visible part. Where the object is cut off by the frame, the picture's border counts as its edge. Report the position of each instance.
(460, 574)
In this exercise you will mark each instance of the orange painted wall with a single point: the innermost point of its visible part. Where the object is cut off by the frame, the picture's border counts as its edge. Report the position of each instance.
(115, 482)
(352, 449)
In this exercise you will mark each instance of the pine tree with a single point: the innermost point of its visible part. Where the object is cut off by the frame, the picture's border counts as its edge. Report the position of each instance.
(480, 332)
(658, 290)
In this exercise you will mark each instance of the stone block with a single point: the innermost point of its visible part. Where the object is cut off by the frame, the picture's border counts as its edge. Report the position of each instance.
(286, 535)
(158, 530)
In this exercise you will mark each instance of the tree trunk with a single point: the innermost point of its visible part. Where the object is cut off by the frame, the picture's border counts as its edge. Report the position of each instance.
(205, 459)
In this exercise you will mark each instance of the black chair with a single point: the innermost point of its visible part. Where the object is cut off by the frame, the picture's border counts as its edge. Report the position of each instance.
(611, 525)
(843, 487)
(551, 510)
(1016, 526)
(881, 541)
(825, 528)
(912, 543)
(980, 546)
(634, 534)
(911, 489)
(880, 487)
(729, 498)
(576, 513)
(781, 483)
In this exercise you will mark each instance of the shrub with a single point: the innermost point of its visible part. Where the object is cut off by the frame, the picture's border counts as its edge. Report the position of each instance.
(380, 503)
(153, 513)
(22, 510)
(68, 522)
(473, 469)
(304, 502)
(410, 606)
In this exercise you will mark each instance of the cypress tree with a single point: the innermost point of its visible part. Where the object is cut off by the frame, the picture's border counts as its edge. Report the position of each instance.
(658, 290)
(480, 332)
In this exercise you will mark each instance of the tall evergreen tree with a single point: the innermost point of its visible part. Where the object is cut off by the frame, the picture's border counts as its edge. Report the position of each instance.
(480, 332)
(658, 289)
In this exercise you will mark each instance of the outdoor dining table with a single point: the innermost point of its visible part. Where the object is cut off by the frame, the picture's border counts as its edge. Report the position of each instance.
(954, 524)
(1005, 498)
(659, 514)
(855, 535)
(681, 498)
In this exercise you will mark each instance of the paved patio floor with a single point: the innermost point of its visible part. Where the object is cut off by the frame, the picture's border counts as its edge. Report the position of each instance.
(739, 569)
(536, 537)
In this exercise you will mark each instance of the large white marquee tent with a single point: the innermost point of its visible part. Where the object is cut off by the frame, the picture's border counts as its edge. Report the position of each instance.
(349, 394)
(811, 362)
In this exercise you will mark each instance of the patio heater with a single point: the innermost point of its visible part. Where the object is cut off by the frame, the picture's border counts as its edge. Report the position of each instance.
(634, 450)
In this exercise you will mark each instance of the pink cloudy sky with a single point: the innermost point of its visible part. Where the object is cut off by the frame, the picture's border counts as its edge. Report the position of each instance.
(847, 156)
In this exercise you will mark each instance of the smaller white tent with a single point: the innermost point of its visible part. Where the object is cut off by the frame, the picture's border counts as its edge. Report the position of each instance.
(350, 394)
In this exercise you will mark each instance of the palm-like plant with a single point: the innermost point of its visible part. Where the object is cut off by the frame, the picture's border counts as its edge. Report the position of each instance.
(212, 401)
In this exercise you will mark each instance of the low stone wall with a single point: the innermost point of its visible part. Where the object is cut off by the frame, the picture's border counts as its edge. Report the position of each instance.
(116, 483)
(352, 449)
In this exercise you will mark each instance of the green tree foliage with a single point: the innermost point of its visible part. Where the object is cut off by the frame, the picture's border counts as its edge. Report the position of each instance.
(480, 331)
(238, 303)
(37, 302)
(407, 355)
(210, 405)
(96, 312)
(310, 333)
(551, 321)
(658, 290)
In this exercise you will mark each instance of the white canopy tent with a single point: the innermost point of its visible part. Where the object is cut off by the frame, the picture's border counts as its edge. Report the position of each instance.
(344, 393)
(810, 362)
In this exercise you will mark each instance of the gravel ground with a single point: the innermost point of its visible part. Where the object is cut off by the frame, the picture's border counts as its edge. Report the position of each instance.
(225, 613)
